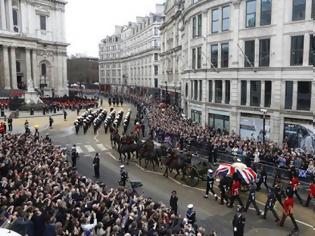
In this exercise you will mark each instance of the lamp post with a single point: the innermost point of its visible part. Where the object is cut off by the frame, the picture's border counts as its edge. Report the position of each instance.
(264, 111)
(166, 92)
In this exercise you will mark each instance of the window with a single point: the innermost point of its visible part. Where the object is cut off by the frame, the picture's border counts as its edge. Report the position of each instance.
(218, 91)
(255, 91)
(186, 90)
(193, 58)
(197, 25)
(313, 9)
(312, 50)
(250, 13)
(156, 56)
(304, 96)
(156, 83)
(225, 18)
(215, 21)
(243, 92)
(224, 55)
(196, 116)
(200, 90)
(15, 20)
(210, 84)
(214, 55)
(227, 92)
(268, 89)
(288, 95)
(195, 89)
(265, 13)
(42, 22)
(249, 53)
(192, 89)
(43, 70)
(156, 70)
(199, 58)
(297, 47)
(18, 66)
(264, 52)
(298, 10)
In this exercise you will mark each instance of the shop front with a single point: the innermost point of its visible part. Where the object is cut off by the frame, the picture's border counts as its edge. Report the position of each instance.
(219, 120)
(251, 126)
(196, 116)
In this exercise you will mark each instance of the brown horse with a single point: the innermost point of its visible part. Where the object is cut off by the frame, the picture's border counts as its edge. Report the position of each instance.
(147, 152)
(177, 161)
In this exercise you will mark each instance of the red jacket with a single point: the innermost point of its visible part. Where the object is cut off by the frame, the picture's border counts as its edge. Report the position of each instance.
(294, 182)
(235, 187)
(288, 206)
(311, 190)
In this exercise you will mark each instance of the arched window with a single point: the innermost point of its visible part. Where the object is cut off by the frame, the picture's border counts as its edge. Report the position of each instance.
(44, 70)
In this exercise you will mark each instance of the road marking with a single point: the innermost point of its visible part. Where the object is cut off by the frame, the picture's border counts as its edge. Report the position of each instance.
(79, 150)
(89, 148)
(101, 147)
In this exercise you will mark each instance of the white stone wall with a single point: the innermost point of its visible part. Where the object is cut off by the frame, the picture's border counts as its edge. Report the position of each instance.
(35, 46)
(279, 31)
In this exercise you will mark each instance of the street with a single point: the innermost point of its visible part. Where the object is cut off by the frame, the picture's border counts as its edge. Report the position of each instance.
(210, 214)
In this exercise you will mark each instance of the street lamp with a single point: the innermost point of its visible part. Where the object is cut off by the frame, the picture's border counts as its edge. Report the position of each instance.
(264, 111)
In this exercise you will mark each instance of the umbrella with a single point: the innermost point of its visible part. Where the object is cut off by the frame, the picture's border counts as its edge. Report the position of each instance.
(244, 172)
(6, 232)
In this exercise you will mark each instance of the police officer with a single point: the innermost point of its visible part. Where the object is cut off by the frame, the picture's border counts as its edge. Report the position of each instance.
(210, 182)
(191, 214)
(96, 165)
(77, 127)
(10, 121)
(270, 204)
(123, 176)
(262, 179)
(51, 121)
(74, 155)
(173, 202)
(252, 197)
(238, 222)
(311, 193)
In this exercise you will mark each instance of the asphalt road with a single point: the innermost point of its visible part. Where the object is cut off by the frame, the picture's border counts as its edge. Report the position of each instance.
(210, 214)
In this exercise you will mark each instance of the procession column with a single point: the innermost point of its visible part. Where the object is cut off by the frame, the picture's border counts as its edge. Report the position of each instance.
(13, 68)
(6, 67)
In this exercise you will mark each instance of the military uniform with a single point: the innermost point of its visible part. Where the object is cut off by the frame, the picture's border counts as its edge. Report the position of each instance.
(288, 211)
(270, 205)
(252, 198)
(223, 188)
(210, 183)
(236, 185)
(191, 214)
(123, 176)
(96, 165)
(238, 223)
(262, 180)
(294, 184)
(311, 193)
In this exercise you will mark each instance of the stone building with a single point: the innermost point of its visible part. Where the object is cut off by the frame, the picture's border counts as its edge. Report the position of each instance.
(33, 46)
(130, 57)
(250, 60)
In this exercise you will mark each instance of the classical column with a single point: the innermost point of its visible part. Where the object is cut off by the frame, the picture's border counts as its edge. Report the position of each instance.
(30, 85)
(13, 68)
(6, 67)
(34, 69)
(2, 15)
(10, 16)
(65, 76)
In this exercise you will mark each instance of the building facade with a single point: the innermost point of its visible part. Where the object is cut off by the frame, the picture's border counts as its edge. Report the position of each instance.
(33, 48)
(130, 57)
(245, 61)
(171, 48)
(82, 70)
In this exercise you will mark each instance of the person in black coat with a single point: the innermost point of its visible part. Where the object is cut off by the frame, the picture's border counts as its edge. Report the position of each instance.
(210, 183)
(96, 165)
(270, 204)
(191, 214)
(239, 223)
(74, 156)
(173, 202)
(252, 197)
(10, 121)
(262, 179)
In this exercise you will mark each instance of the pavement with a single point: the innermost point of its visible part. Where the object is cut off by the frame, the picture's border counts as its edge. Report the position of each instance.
(210, 214)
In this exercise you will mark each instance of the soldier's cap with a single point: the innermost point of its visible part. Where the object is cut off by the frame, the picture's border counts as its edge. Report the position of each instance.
(122, 166)
(239, 209)
(190, 206)
(210, 171)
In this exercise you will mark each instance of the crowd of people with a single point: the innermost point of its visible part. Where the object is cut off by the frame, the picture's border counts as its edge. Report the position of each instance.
(170, 126)
(41, 194)
(70, 103)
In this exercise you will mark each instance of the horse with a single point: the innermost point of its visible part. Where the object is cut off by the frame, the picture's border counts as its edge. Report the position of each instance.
(127, 146)
(178, 161)
(147, 152)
